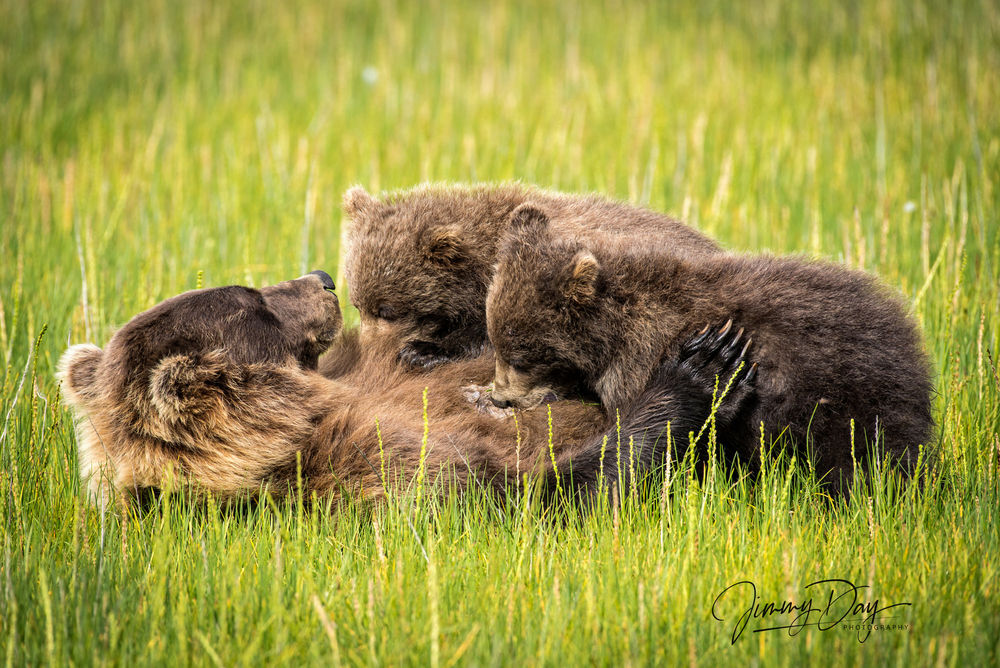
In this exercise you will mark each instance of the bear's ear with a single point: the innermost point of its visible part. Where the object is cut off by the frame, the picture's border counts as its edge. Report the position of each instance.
(359, 205)
(581, 277)
(183, 386)
(526, 217)
(78, 373)
(443, 245)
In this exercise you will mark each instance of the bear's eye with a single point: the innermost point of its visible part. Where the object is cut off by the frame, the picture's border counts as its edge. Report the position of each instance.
(386, 312)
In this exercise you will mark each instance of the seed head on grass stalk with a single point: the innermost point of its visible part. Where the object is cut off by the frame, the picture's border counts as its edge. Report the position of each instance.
(421, 469)
(601, 483)
(633, 488)
(717, 399)
(299, 497)
(664, 492)
(854, 459)
(618, 452)
(762, 453)
(552, 454)
(381, 454)
(517, 452)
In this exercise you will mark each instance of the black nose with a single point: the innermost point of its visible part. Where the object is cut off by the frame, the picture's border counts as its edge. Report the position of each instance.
(499, 403)
(325, 279)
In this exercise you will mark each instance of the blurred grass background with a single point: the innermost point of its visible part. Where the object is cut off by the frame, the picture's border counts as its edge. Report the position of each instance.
(146, 144)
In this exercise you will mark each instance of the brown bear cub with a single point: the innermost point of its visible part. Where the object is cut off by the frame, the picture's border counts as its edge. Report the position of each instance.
(219, 388)
(420, 261)
(832, 344)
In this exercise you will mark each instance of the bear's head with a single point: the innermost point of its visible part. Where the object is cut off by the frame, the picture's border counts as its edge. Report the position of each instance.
(540, 310)
(195, 377)
(418, 267)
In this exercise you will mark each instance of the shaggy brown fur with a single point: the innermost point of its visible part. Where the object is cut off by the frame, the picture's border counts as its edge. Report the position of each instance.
(420, 261)
(219, 388)
(832, 344)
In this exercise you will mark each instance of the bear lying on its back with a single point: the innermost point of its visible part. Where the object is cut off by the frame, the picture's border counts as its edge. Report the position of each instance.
(832, 345)
(420, 261)
(219, 387)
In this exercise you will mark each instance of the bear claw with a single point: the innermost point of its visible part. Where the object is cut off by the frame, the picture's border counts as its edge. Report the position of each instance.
(691, 345)
(720, 353)
(715, 361)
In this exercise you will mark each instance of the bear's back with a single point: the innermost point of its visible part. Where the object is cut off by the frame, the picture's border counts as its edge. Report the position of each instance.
(597, 220)
(832, 344)
(482, 212)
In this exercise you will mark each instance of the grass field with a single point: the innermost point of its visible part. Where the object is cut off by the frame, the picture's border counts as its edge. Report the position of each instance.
(145, 147)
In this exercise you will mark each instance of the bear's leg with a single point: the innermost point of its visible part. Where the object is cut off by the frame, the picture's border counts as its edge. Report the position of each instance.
(678, 398)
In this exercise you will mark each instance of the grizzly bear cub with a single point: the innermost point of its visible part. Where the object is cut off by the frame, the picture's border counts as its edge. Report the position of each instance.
(420, 261)
(219, 388)
(832, 344)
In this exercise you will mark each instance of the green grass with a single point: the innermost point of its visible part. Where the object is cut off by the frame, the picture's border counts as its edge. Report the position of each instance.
(143, 143)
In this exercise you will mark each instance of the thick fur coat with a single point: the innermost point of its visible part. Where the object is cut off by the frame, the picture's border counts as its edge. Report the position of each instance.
(420, 262)
(220, 389)
(832, 344)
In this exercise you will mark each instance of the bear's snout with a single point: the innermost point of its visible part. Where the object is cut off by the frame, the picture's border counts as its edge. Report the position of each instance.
(325, 279)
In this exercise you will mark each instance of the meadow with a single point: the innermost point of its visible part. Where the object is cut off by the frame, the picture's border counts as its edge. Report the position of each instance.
(148, 148)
